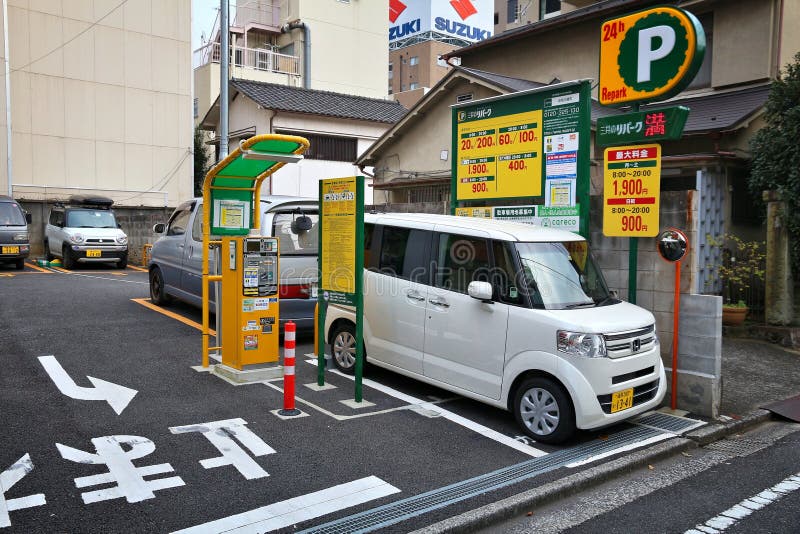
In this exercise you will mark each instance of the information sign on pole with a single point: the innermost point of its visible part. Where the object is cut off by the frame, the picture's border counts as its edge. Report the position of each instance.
(631, 190)
(341, 258)
(642, 127)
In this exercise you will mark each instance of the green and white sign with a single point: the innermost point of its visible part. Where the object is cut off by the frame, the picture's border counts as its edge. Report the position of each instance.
(644, 126)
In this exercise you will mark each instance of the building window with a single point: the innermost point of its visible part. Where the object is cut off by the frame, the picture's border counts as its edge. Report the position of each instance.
(703, 76)
(414, 60)
(549, 8)
(414, 85)
(196, 106)
(391, 71)
(496, 18)
(328, 147)
(513, 11)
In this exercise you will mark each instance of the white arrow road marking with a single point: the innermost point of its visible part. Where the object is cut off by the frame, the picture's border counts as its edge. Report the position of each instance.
(292, 511)
(117, 396)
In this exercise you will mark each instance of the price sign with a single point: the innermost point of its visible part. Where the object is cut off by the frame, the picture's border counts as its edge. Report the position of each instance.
(631, 192)
(500, 156)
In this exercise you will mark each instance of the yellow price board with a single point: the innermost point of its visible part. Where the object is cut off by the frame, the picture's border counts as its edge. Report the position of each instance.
(339, 211)
(631, 190)
(500, 157)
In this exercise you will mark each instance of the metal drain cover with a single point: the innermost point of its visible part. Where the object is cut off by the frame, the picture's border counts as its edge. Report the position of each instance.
(667, 422)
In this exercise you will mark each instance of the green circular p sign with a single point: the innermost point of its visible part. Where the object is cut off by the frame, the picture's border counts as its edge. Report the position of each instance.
(652, 54)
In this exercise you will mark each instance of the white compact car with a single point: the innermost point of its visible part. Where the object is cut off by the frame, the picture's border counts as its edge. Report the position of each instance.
(513, 315)
(85, 230)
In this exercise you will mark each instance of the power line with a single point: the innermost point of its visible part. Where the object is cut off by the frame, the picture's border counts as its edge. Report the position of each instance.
(65, 43)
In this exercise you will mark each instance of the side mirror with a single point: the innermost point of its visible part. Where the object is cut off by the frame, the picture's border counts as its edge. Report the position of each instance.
(159, 228)
(28, 218)
(481, 291)
(119, 226)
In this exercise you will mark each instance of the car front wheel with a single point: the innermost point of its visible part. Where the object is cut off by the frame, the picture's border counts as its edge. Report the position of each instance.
(67, 259)
(47, 254)
(544, 411)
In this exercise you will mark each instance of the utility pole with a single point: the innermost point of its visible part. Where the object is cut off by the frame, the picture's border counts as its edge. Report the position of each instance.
(224, 65)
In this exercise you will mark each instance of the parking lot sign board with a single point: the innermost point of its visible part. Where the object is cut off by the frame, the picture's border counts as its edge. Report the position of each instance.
(631, 190)
(507, 147)
(642, 127)
(649, 55)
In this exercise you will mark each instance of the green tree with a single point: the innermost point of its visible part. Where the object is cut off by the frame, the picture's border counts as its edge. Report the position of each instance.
(776, 150)
(200, 161)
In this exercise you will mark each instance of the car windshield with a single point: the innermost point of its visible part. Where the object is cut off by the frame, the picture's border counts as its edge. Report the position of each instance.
(90, 218)
(10, 215)
(562, 275)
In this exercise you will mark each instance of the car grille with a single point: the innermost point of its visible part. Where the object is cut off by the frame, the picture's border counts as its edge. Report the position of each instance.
(622, 344)
(641, 394)
(106, 241)
(632, 376)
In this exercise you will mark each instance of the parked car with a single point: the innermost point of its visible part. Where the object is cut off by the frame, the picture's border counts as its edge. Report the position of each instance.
(85, 230)
(512, 315)
(14, 239)
(176, 259)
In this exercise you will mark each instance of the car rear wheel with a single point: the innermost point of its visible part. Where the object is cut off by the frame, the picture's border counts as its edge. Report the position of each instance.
(157, 293)
(544, 411)
(343, 348)
(67, 259)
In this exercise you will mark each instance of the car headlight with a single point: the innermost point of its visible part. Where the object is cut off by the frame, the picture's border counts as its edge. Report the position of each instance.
(20, 237)
(122, 239)
(76, 238)
(580, 344)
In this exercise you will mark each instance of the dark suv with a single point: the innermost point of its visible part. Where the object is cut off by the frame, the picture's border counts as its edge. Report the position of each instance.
(14, 241)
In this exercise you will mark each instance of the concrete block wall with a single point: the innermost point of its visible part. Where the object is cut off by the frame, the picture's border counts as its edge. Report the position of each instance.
(136, 222)
(699, 355)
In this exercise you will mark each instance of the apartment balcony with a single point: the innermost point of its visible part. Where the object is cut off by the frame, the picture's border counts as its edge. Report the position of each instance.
(255, 59)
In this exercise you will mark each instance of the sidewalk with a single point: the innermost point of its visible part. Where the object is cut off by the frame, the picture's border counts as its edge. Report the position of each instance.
(754, 373)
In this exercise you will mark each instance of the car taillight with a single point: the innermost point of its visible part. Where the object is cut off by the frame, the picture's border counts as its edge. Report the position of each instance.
(295, 291)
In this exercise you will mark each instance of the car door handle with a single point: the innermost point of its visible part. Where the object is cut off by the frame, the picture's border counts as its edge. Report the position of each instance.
(439, 302)
(414, 295)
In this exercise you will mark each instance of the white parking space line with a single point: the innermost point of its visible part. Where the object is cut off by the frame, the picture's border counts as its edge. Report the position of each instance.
(446, 414)
(737, 512)
(292, 511)
(632, 446)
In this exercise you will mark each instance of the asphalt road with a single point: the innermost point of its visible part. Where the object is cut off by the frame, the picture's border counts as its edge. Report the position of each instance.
(176, 447)
(728, 486)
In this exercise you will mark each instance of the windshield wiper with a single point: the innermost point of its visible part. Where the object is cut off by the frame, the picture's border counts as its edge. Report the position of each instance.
(578, 305)
(606, 300)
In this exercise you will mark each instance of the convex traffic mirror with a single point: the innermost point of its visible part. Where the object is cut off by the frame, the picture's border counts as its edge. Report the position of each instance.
(672, 244)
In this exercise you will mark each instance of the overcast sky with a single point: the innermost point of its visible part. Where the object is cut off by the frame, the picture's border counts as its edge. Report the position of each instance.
(204, 12)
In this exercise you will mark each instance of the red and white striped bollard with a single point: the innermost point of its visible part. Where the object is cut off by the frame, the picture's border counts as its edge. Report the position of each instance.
(289, 333)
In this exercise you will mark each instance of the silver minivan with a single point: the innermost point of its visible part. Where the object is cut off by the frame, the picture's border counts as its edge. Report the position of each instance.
(14, 239)
(176, 259)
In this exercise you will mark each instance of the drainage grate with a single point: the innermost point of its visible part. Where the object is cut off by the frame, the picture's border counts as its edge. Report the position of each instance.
(667, 423)
(401, 510)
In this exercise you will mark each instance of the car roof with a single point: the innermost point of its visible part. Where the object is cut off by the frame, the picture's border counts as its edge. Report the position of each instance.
(503, 230)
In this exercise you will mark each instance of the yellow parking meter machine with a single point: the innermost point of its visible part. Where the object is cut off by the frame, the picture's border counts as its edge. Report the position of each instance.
(250, 305)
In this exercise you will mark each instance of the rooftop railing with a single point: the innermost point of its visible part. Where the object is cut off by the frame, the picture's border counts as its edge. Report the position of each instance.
(249, 58)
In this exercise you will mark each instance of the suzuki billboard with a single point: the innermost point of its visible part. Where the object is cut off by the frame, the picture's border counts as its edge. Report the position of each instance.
(467, 20)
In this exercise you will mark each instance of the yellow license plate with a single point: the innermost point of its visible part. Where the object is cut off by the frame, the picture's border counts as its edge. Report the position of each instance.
(10, 250)
(92, 253)
(621, 400)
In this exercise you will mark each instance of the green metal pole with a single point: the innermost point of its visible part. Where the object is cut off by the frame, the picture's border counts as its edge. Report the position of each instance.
(359, 280)
(320, 301)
